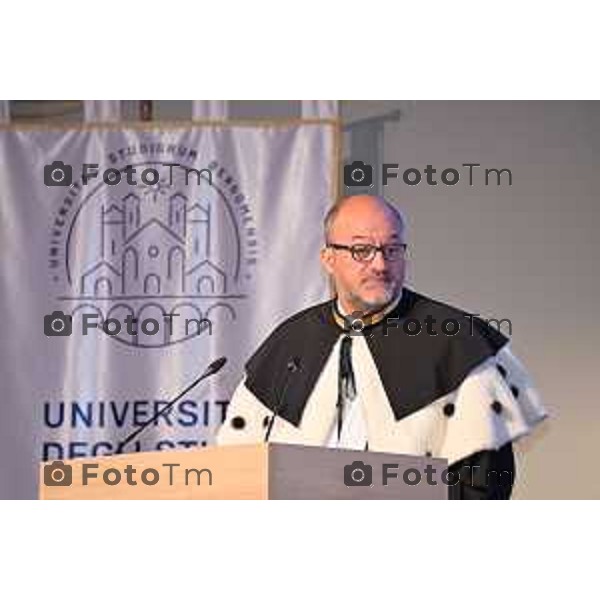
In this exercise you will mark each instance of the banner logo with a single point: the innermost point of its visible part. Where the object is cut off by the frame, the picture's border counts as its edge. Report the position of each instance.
(184, 245)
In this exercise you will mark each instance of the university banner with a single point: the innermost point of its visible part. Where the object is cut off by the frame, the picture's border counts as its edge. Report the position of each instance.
(132, 257)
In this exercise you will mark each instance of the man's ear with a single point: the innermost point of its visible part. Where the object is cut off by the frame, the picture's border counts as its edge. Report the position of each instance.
(327, 259)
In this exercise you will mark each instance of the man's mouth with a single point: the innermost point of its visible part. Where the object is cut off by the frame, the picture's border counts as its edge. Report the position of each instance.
(377, 282)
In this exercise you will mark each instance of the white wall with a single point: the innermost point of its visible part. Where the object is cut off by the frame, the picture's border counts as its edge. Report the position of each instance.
(527, 252)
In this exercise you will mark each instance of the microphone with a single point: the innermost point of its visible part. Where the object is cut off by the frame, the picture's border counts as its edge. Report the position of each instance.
(213, 368)
(292, 366)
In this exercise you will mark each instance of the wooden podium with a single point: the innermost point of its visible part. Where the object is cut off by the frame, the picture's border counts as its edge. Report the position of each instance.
(246, 472)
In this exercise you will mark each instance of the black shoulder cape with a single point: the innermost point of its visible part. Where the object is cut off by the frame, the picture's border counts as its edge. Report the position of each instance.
(415, 369)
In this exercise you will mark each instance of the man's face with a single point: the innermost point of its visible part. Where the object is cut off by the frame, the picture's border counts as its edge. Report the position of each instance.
(364, 286)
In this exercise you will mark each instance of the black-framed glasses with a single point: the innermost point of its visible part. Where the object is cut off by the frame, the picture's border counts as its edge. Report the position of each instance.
(366, 252)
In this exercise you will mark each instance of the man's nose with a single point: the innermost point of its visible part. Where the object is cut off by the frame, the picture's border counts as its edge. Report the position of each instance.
(378, 263)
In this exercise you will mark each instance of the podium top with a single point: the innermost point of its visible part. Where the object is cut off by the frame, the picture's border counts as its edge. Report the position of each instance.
(247, 472)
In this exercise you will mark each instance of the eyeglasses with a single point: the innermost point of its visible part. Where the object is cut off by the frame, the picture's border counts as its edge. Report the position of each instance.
(366, 252)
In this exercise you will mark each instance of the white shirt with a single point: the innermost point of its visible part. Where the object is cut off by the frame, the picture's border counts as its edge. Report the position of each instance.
(354, 425)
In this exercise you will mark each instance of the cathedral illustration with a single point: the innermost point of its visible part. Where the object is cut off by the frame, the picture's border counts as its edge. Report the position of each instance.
(151, 248)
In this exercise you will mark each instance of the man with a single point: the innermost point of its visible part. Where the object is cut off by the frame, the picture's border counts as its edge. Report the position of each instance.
(383, 368)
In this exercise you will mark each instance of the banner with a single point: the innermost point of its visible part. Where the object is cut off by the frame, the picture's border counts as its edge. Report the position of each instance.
(131, 259)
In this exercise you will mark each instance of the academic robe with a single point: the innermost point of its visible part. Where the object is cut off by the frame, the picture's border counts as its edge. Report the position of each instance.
(454, 390)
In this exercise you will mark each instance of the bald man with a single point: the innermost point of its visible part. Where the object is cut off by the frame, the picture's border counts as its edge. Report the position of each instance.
(384, 368)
